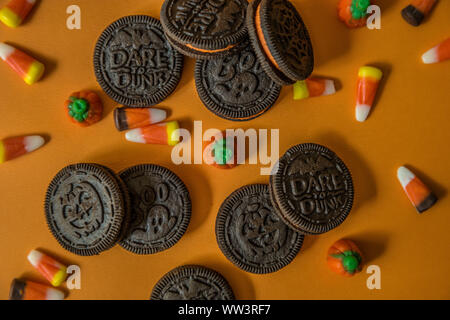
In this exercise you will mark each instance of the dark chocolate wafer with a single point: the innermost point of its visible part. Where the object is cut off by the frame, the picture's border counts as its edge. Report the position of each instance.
(192, 282)
(312, 190)
(160, 209)
(135, 64)
(235, 87)
(204, 29)
(84, 208)
(281, 40)
(252, 235)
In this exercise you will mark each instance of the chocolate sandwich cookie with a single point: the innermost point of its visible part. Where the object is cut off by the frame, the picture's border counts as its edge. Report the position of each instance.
(134, 64)
(84, 208)
(160, 209)
(312, 190)
(281, 40)
(192, 282)
(235, 87)
(252, 235)
(126, 201)
(204, 29)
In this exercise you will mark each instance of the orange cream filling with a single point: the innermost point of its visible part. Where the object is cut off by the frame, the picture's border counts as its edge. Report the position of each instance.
(261, 38)
(211, 51)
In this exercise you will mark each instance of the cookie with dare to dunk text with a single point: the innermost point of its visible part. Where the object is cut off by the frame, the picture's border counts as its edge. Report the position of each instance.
(192, 282)
(205, 29)
(135, 64)
(252, 235)
(160, 209)
(235, 87)
(311, 189)
(280, 39)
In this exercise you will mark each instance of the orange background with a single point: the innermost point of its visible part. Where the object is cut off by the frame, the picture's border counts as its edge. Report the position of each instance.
(409, 125)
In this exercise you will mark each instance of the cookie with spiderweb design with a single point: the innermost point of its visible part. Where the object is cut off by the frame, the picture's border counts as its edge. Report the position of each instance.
(281, 40)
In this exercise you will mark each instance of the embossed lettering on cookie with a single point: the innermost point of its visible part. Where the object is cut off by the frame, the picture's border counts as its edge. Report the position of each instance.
(85, 209)
(312, 190)
(251, 234)
(235, 87)
(205, 29)
(192, 282)
(160, 209)
(135, 64)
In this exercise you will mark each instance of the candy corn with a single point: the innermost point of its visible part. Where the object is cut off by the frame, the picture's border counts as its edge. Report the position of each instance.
(28, 290)
(15, 12)
(439, 53)
(130, 118)
(11, 148)
(418, 193)
(25, 66)
(161, 133)
(368, 80)
(51, 269)
(417, 11)
(313, 87)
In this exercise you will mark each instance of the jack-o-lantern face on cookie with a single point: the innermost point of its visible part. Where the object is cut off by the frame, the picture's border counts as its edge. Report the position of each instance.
(252, 235)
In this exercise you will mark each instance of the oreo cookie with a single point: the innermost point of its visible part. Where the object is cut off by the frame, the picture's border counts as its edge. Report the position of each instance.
(235, 87)
(85, 209)
(135, 64)
(312, 190)
(126, 201)
(192, 282)
(281, 40)
(205, 29)
(252, 235)
(160, 209)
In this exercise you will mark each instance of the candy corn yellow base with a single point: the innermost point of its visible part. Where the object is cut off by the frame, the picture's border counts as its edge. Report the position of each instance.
(300, 90)
(9, 18)
(35, 73)
(59, 277)
(370, 72)
(172, 133)
(2, 152)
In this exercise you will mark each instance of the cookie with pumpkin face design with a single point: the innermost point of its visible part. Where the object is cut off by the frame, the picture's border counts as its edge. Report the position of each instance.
(251, 235)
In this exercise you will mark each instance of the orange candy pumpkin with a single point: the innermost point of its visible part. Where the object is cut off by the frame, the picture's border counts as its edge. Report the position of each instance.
(353, 12)
(84, 108)
(219, 153)
(344, 258)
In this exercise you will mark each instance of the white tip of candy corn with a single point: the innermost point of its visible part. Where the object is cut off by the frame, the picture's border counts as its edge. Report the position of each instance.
(404, 176)
(135, 135)
(34, 257)
(54, 294)
(157, 115)
(5, 50)
(362, 112)
(431, 56)
(33, 142)
(329, 88)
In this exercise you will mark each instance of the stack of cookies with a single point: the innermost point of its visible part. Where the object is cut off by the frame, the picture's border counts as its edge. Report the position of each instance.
(244, 52)
(260, 228)
(89, 208)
